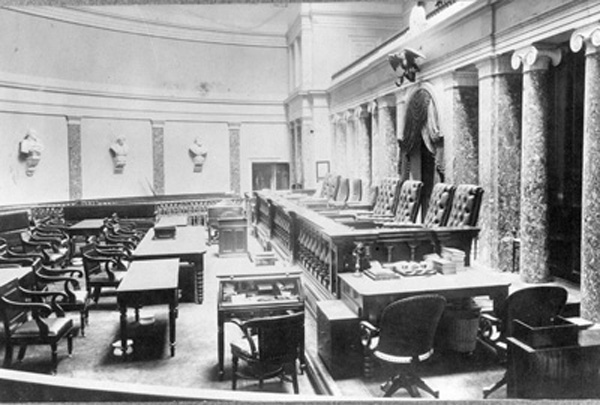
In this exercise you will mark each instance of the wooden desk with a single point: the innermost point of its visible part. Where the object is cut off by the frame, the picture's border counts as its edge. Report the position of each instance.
(367, 297)
(87, 227)
(567, 372)
(149, 282)
(244, 294)
(189, 245)
(175, 220)
(8, 274)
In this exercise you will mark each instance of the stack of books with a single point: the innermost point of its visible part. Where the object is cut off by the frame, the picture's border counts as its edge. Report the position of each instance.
(444, 266)
(456, 256)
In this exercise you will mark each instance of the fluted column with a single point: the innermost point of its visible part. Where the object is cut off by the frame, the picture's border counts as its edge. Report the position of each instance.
(342, 145)
(499, 150)
(234, 157)
(74, 146)
(363, 144)
(534, 233)
(590, 198)
(158, 156)
(376, 144)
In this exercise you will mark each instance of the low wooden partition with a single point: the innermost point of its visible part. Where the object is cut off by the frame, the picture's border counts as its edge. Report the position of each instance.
(324, 248)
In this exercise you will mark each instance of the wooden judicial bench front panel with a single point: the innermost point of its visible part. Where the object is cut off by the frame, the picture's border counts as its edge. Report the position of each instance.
(323, 247)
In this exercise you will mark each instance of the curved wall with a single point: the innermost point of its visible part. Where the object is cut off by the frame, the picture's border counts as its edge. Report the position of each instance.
(118, 83)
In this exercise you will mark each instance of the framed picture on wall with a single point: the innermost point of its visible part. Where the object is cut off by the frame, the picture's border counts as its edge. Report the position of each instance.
(322, 169)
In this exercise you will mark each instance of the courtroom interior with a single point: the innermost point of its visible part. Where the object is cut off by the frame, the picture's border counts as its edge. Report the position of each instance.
(299, 201)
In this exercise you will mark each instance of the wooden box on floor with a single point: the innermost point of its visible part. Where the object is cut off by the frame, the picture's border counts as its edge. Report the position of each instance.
(338, 339)
(233, 236)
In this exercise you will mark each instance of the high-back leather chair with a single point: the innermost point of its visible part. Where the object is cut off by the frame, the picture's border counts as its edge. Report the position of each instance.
(343, 191)
(409, 200)
(465, 205)
(406, 334)
(440, 203)
(387, 196)
(331, 186)
(270, 346)
(535, 306)
(355, 191)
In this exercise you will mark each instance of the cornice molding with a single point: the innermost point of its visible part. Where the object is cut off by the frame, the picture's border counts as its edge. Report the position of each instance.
(112, 22)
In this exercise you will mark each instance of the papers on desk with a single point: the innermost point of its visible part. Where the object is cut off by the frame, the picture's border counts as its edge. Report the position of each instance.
(378, 272)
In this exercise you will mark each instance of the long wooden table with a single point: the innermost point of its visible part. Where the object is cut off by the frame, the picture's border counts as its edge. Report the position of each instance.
(8, 274)
(149, 282)
(86, 227)
(188, 245)
(367, 297)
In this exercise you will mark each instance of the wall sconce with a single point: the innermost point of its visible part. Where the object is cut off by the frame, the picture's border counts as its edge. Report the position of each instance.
(118, 151)
(406, 61)
(30, 151)
(198, 154)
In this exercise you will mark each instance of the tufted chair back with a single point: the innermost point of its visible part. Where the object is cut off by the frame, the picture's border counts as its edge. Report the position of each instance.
(465, 205)
(355, 190)
(387, 196)
(409, 200)
(343, 191)
(439, 205)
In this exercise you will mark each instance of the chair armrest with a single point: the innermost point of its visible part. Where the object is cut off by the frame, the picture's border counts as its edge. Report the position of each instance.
(38, 308)
(19, 261)
(50, 272)
(367, 333)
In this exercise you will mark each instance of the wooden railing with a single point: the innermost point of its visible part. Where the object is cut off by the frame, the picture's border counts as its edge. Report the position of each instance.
(323, 248)
(193, 205)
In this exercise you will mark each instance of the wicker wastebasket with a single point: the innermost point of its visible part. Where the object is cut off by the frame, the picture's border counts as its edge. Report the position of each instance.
(457, 329)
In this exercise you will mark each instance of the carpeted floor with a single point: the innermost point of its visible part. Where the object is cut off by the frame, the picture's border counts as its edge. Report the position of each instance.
(195, 364)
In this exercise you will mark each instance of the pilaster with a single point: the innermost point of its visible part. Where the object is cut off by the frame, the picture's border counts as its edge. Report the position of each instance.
(158, 156)
(234, 157)
(74, 146)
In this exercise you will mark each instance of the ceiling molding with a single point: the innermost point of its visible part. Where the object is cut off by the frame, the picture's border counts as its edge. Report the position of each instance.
(113, 22)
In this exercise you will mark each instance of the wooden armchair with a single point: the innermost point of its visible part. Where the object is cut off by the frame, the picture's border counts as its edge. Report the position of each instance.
(270, 346)
(73, 296)
(100, 271)
(8, 256)
(55, 251)
(31, 323)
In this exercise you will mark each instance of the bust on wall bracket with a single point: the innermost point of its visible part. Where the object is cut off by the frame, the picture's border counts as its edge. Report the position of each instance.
(30, 151)
(118, 151)
(405, 65)
(198, 154)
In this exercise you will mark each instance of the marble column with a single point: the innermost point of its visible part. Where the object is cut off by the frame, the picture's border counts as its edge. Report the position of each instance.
(341, 146)
(158, 156)
(308, 153)
(499, 150)
(363, 145)
(234, 157)
(293, 172)
(537, 116)
(403, 158)
(299, 152)
(463, 140)
(376, 144)
(350, 154)
(74, 146)
(590, 198)
(388, 162)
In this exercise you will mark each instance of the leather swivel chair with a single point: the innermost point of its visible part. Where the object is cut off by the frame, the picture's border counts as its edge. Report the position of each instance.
(439, 206)
(270, 346)
(535, 306)
(404, 339)
(465, 206)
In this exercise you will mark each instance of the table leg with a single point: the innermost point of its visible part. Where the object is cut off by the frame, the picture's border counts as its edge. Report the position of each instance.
(220, 344)
(123, 310)
(172, 320)
(199, 276)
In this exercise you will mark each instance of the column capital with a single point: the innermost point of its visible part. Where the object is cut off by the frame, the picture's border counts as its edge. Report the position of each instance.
(372, 107)
(157, 123)
(361, 112)
(536, 57)
(348, 115)
(588, 35)
(499, 65)
(73, 120)
(234, 126)
(388, 100)
(465, 78)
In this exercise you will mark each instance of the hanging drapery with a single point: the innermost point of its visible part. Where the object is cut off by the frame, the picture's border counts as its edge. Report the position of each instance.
(421, 123)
